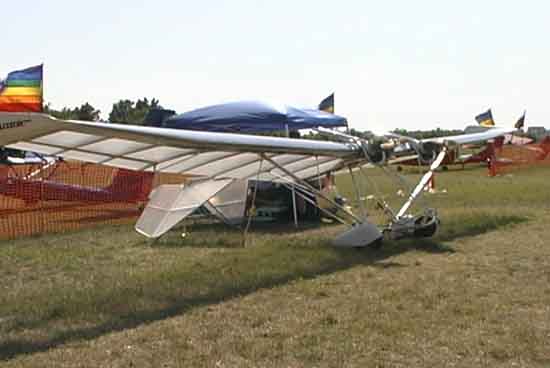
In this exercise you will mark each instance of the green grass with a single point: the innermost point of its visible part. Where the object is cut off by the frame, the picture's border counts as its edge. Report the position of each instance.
(476, 293)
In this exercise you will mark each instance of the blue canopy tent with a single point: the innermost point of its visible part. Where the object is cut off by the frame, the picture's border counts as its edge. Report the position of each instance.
(247, 117)
(252, 117)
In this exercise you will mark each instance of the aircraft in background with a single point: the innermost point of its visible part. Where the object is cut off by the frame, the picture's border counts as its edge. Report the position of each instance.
(410, 157)
(414, 152)
(127, 186)
(542, 149)
(36, 184)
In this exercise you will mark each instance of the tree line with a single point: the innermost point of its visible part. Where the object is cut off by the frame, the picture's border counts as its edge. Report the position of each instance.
(122, 112)
(432, 133)
(134, 112)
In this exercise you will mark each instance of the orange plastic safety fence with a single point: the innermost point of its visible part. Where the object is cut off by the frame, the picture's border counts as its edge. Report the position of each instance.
(36, 199)
(514, 157)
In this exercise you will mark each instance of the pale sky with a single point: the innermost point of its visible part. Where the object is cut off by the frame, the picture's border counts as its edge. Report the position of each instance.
(392, 64)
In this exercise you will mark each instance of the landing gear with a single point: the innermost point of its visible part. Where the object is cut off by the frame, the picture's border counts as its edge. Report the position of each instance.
(426, 226)
(421, 226)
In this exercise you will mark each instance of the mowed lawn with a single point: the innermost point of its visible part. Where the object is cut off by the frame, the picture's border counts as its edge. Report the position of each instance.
(477, 294)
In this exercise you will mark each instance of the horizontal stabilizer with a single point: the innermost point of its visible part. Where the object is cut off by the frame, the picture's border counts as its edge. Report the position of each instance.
(169, 204)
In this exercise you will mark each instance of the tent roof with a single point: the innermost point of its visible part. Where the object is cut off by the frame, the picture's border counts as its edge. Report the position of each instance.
(253, 117)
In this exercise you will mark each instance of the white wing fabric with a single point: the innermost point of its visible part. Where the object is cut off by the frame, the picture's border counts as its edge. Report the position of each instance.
(211, 161)
(197, 154)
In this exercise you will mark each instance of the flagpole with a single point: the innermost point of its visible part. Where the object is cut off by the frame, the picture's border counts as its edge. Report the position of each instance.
(42, 89)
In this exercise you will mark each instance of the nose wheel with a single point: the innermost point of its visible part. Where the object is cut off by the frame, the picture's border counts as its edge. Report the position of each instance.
(421, 226)
(426, 226)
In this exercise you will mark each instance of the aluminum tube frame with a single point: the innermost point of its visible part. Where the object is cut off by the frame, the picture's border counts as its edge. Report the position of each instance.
(310, 187)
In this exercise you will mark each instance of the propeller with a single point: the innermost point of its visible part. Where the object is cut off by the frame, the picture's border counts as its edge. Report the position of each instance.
(426, 151)
(377, 149)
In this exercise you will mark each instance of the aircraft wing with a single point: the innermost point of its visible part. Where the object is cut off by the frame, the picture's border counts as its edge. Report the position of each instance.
(470, 138)
(201, 155)
(211, 161)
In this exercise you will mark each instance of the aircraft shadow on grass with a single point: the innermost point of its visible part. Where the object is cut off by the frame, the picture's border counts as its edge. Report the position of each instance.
(345, 259)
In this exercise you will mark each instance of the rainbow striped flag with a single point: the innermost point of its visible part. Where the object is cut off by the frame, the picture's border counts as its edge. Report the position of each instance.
(21, 91)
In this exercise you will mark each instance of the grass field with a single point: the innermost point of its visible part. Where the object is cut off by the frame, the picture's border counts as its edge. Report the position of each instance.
(477, 294)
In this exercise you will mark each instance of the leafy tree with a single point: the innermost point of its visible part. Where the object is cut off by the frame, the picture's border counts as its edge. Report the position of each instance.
(85, 112)
(367, 134)
(433, 133)
(130, 112)
(121, 112)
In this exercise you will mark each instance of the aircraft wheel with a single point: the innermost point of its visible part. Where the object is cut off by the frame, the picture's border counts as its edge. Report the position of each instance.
(428, 227)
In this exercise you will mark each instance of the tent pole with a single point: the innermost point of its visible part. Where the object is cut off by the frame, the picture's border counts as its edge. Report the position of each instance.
(294, 209)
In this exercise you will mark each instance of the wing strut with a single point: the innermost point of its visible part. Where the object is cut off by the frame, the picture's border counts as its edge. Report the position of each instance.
(420, 186)
(252, 208)
(358, 193)
(304, 193)
(309, 187)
